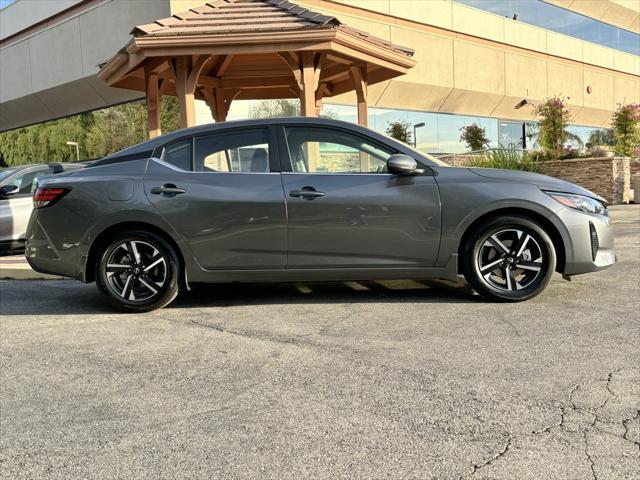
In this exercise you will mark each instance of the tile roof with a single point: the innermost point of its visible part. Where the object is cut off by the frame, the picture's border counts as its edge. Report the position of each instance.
(220, 17)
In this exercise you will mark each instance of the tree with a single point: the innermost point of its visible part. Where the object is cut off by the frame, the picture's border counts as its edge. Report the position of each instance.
(554, 119)
(400, 131)
(474, 136)
(626, 129)
(274, 108)
(601, 137)
(98, 133)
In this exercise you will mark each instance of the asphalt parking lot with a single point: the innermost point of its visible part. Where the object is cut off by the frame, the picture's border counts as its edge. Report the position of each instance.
(371, 380)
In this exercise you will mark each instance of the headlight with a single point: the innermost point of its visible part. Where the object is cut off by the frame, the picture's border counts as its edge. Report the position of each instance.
(579, 202)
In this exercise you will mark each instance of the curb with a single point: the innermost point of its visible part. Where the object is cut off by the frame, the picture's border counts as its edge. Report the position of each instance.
(16, 268)
(10, 273)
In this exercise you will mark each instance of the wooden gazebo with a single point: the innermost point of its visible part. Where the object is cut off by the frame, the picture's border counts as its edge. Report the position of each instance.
(251, 49)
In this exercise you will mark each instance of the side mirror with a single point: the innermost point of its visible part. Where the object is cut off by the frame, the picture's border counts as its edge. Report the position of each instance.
(401, 164)
(8, 190)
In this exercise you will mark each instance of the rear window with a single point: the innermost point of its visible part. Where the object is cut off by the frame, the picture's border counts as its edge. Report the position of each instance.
(6, 173)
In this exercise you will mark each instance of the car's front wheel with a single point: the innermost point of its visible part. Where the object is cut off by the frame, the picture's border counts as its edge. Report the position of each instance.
(138, 271)
(509, 258)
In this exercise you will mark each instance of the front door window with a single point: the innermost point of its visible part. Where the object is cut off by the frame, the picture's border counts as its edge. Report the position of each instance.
(324, 150)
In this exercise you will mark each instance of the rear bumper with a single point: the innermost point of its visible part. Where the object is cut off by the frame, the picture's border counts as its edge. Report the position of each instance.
(590, 246)
(45, 256)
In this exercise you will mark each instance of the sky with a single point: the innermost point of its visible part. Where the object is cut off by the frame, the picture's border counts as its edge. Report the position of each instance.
(4, 3)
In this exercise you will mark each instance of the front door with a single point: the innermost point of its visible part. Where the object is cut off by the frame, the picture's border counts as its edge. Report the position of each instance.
(346, 210)
(222, 193)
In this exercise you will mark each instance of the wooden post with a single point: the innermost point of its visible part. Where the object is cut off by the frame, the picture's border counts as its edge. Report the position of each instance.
(308, 94)
(153, 105)
(306, 68)
(359, 76)
(185, 92)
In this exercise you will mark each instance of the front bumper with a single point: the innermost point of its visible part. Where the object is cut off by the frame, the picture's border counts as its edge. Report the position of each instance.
(589, 246)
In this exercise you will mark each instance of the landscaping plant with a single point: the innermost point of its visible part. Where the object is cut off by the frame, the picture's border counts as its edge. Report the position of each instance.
(626, 129)
(554, 118)
(474, 136)
(507, 158)
(400, 131)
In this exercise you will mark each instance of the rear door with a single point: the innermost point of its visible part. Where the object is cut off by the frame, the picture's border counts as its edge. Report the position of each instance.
(222, 193)
(346, 210)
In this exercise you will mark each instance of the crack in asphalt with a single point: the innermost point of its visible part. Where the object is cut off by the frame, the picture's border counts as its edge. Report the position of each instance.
(592, 464)
(584, 431)
(492, 459)
(564, 410)
(626, 428)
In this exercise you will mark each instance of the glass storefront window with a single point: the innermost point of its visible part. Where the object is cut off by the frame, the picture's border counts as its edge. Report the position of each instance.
(441, 131)
(557, 19)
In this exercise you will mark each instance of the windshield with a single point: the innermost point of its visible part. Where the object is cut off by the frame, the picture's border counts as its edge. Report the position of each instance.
(435, 160)
(6, 173)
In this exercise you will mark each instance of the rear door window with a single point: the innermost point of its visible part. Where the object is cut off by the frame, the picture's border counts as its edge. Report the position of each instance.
(178, 154)
(245, 150)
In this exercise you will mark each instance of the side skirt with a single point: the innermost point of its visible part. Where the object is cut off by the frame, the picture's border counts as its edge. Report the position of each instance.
(448, 272)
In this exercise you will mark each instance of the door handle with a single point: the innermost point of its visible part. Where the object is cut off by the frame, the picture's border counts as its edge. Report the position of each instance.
(167, 190)
(306, 192)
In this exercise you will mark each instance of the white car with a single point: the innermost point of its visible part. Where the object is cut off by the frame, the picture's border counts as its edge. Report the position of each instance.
(17, 185)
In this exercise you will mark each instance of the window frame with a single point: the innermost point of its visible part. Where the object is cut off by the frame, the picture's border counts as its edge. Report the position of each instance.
(286, 154)
(274, 158)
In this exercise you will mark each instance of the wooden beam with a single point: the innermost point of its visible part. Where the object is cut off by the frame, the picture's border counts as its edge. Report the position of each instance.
(195, 72)
(186, 97)
(247, 82)
(223, 65)
(220, 105)
(293, 61)
(209, 99)
(152, 89)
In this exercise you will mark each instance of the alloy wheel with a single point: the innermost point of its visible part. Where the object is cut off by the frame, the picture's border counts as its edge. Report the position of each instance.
(510, 260)
(136, 270)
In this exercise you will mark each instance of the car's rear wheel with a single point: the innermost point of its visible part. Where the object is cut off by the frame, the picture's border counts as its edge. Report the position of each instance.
(138, 271)
(509, 258)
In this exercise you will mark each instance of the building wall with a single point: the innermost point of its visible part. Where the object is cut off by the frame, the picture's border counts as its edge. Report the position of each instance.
(51, 72)
(469, 62)
(475, 63)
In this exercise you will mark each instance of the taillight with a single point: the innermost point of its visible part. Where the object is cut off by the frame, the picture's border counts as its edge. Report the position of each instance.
(47, 196)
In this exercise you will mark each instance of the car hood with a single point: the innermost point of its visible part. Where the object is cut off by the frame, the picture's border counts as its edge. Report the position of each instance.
(544, 182)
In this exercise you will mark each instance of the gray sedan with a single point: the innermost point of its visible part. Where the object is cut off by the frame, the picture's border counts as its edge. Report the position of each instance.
(299, 199)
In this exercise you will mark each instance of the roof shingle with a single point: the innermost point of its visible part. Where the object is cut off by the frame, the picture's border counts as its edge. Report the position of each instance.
(219, 17)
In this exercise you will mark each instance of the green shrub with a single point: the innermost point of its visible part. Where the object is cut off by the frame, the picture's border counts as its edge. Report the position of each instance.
(508, 159)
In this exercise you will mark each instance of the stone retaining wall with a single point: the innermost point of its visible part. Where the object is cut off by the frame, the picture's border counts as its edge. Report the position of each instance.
(609, 177)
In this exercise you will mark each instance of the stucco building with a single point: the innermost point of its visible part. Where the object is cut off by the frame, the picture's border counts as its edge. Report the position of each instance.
(481, 61)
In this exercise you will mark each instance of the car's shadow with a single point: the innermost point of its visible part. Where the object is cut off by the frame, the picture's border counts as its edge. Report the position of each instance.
(65, 297)
(401, 291)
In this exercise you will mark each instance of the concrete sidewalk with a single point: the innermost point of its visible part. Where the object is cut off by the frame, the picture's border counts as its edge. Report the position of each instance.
(16, 267)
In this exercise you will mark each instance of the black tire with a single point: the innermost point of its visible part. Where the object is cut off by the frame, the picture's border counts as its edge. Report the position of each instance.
(142, 285)
(494, 268)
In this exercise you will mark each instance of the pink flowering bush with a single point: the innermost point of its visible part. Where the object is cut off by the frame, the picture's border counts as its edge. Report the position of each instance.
(626, 129)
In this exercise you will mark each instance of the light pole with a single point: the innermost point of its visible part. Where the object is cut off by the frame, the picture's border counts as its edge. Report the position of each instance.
(77, 149)
(415, 136)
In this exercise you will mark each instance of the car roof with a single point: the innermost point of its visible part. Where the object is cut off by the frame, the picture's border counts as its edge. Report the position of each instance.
(149, 146)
